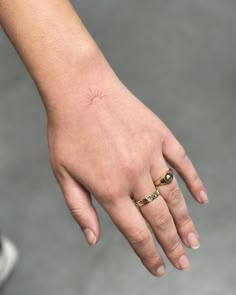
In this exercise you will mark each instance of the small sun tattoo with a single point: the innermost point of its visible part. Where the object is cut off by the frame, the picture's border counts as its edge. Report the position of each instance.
(94, 94)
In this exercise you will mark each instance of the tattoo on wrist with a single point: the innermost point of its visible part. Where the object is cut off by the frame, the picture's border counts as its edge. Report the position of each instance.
(94, 94)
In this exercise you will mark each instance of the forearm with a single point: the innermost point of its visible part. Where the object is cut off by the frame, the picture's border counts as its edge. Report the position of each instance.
(51, 40)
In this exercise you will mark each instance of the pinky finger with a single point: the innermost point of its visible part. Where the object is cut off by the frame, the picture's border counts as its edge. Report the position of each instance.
(80, 204)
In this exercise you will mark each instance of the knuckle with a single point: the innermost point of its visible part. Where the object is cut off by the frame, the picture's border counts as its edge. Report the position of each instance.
(151, 259)
(182, 153)
(59, 172)
(139, 238)
(186, 221)
(78, 213)
(164, 221)
(173, 248)
(110, 193)
(196, 180)
(163, 132)
(174, 195)
(133, 166)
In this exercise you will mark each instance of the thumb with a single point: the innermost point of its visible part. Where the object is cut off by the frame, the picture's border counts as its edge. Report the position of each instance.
(80, 204)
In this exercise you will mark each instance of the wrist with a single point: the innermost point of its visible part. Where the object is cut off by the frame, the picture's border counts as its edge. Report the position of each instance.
(68, 95)
(60, 54)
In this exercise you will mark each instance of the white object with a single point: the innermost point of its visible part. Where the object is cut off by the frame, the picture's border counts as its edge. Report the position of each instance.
(8, 259)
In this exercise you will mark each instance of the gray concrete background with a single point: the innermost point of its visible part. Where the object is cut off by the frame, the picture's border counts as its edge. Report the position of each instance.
(179, 57)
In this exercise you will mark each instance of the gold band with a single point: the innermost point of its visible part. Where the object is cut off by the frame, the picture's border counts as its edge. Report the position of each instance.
(165, 179)
(147, 200)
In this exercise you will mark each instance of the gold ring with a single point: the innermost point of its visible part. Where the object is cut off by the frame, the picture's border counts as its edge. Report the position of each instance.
(166, 178)
(147, 200)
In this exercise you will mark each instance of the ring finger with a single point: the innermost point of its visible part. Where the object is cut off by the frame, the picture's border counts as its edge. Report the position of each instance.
(158, 216)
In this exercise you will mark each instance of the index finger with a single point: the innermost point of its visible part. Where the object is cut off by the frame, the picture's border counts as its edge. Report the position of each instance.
(175, 154)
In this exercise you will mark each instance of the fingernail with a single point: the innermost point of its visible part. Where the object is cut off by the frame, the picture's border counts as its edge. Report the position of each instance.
(193, 241)
(203, 197)
(161, 271)
(184, 262)
(90, 237)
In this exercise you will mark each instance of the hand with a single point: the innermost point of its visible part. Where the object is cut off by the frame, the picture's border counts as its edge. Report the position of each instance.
(104, 142)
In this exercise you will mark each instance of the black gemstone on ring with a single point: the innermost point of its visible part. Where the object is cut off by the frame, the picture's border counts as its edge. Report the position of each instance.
(168, 177)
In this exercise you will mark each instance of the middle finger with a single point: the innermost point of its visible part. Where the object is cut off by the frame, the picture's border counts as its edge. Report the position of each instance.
(177, 206)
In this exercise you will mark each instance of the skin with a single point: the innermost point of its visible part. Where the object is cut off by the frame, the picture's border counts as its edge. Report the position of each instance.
(103, 141)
